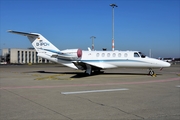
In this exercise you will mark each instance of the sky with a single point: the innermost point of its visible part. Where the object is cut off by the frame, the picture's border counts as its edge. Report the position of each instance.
(140, 25)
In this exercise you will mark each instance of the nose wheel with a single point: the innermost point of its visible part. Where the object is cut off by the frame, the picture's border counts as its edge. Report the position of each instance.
(151, 72)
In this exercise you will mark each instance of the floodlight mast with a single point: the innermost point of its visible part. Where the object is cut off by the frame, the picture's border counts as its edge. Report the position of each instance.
(113, 5)
(92, 37)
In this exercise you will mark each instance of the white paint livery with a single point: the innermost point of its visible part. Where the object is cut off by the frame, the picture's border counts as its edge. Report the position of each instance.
(92, 60)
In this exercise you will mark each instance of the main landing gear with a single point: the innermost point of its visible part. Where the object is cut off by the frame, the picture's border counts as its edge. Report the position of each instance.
(151, 72)
(89, 70)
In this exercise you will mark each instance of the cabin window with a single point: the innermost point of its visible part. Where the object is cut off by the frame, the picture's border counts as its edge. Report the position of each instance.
(97, 55)
(114, 54)
(136, 55)
(108, 55)
(103, 55)
(125, 55)
(119, 54)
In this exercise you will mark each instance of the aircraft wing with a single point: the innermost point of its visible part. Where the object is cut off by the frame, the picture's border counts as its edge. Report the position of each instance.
(95, 65)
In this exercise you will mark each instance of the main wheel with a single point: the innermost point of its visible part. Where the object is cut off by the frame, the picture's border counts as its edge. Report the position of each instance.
(97, 71)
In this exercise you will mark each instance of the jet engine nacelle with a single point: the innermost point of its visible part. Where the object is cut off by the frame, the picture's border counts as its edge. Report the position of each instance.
(73, 52)
(69, 54)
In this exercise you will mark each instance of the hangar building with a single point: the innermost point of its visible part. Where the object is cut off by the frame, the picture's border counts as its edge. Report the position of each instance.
(22, 56)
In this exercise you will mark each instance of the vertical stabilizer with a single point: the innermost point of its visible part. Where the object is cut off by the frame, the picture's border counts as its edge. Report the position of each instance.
(40, 43)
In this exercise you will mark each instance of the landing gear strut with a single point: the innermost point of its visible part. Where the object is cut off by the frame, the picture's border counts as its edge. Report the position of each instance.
(88, 69)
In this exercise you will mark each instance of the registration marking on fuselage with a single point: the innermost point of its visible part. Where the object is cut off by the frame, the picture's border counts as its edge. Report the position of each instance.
(93, 91)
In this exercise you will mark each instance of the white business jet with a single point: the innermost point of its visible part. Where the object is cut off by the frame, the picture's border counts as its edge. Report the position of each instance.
(92, 60)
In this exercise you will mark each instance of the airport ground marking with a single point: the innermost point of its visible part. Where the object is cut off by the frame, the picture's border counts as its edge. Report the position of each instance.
(93, 91)
(178, 86)
(89, 85)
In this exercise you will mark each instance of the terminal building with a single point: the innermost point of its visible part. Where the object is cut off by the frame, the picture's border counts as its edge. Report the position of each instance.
(22, 56)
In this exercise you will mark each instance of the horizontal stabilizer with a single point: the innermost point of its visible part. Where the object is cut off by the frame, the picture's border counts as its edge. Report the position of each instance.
(24, 33)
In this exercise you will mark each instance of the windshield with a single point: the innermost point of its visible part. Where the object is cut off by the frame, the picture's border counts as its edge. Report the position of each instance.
(142, 55)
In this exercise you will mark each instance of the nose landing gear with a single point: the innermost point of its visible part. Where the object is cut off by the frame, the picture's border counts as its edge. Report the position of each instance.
(152, 73)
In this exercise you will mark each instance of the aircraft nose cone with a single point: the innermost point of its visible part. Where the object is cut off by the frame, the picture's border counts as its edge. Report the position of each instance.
(166, 64)
(163, 63)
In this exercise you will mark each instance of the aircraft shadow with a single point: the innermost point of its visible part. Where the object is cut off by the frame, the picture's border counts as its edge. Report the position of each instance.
(82, 74)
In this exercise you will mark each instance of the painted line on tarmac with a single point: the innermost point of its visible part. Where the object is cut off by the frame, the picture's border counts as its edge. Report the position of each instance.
(89, 85)
(178, 86)
(93, 91)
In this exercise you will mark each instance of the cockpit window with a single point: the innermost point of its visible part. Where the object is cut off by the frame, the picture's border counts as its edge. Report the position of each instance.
(136, 55)
(142, 55)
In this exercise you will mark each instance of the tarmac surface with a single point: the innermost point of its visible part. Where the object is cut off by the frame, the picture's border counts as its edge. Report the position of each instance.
(53, 92)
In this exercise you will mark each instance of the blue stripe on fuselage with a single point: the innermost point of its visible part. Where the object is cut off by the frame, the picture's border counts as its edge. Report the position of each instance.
(117, 60)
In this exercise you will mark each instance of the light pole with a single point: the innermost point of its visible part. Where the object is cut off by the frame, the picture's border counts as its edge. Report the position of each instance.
(92, 37)
(113, 5)
(149, 52)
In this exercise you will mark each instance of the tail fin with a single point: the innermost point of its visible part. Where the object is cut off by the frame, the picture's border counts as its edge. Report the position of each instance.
(46, 49)
(40, 43)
